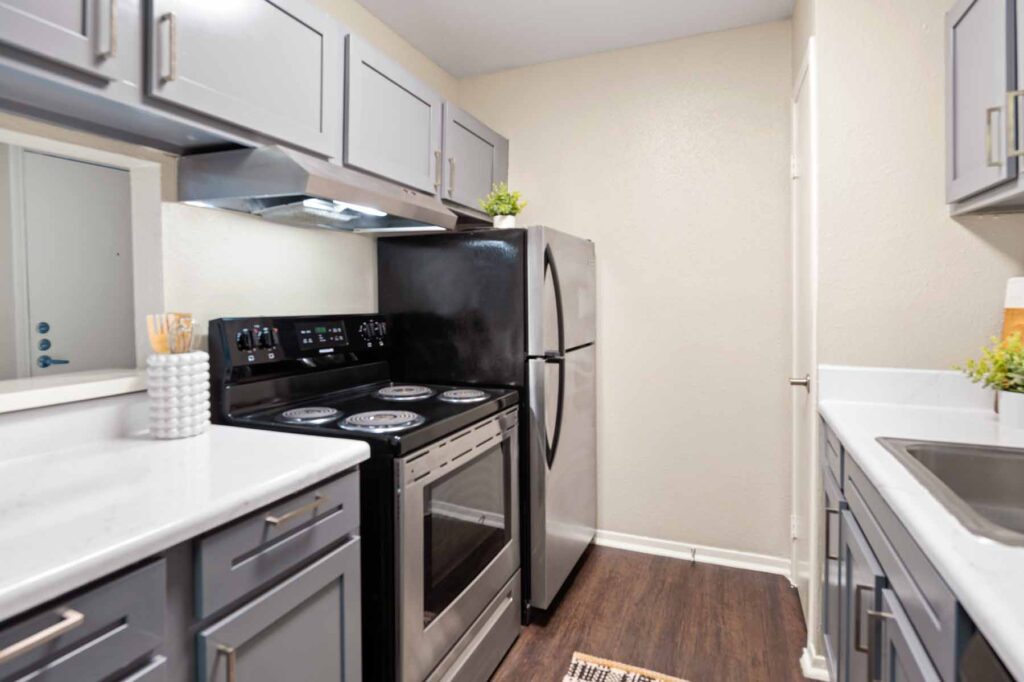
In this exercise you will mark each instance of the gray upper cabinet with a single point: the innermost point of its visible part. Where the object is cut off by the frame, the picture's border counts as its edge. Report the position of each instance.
(980, 78)
(82, 35)
(271, 67)
(476, 157)
(392, 120)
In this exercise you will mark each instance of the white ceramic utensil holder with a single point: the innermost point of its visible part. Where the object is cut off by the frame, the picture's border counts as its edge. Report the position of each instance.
(179, 394)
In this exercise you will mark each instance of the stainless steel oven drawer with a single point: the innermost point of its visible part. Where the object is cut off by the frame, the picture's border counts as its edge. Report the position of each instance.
(235, 560)
(481, 649)
(94, 633)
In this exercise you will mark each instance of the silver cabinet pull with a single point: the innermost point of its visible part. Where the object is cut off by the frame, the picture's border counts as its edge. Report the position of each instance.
(1011, 124)
(111, 50)
(69, 620)
(857, 603)
(829, 511)
(437, 170)
(285, 518)
(451, 176)
(172, 47)
(995, 163)
(872, 616)
(231, 661)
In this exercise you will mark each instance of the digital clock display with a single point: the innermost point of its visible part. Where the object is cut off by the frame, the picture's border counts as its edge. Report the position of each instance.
(321, 337)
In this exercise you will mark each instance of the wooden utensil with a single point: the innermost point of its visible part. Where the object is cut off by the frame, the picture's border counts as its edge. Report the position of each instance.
(156, 325)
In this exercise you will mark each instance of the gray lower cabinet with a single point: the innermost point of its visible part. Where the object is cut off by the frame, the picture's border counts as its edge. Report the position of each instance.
(307, 627)
(476, 158)
(92, 635)
(861, 583)
(82, 35)
(832, 561)
(392, 120)
(901, 656)
(271, 67)
(980, 73)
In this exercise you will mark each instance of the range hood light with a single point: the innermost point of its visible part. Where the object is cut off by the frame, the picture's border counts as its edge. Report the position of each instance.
(365, 210)
(409, 229)
(320, 205)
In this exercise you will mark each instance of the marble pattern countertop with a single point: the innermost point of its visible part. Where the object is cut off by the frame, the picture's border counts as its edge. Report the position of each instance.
(74, 514)
(985, 575)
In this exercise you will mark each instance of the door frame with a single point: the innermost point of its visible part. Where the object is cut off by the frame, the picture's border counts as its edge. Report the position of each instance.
(805, 522)
(146, 194)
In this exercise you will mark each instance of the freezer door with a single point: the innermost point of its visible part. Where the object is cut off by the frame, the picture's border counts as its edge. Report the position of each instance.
(563, 468)
(560, 270)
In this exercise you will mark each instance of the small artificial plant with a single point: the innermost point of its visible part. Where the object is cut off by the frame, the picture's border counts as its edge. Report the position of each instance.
(1001, 366)
(502, 202)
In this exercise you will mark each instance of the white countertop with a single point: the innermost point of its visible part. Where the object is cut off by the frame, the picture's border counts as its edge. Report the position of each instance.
(987, 577)
(73, 514)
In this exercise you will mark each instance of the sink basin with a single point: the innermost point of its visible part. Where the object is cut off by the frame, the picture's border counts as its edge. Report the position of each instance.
(981, 485)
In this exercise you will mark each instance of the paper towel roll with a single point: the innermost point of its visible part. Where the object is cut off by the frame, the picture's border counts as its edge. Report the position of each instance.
(1013, 313)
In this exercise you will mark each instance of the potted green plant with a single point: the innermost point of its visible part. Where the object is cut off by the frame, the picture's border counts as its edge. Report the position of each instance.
(1001, 366)
(502, 205)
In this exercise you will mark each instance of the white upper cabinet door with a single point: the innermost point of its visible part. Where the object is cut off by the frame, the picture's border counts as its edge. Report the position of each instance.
(476, 157)
(270, 67)
(392, 120)
(980, 74)
(82, 34)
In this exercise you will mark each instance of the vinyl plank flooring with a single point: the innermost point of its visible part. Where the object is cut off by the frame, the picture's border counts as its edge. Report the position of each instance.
(696, 621)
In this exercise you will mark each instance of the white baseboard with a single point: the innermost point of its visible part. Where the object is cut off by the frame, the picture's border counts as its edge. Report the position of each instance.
(701, 553)
(813, 666)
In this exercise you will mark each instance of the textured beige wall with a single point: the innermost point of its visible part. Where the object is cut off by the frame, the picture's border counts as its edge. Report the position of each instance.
(674, 159)
(902, 283)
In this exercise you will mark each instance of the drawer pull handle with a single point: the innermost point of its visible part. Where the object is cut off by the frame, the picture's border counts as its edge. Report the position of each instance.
(857, 608)
(172, 47)
(872, 615)
(829, 511)
(69, 620)
(285, 518)
(231, 661)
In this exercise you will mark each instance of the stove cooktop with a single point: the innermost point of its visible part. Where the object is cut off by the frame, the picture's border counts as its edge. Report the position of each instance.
(393, 418)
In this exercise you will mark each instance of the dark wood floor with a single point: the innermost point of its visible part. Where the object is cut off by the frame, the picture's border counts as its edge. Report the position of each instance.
(696, 621)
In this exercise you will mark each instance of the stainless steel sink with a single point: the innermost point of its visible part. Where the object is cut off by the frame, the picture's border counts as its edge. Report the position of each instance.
(982, 486)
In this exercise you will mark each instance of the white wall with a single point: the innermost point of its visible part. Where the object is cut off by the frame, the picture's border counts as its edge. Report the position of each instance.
(902, 283)
(674, 159)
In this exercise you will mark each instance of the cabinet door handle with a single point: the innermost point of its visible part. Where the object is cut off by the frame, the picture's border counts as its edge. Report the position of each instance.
(285, 518)
(172, 47)
(111, 50)
(872, 616)
(231, 661)
(1011, 124)
(437, 170)
(829, 511)
(994, 163)
(69, 620)
(451, 176)
(857, 604)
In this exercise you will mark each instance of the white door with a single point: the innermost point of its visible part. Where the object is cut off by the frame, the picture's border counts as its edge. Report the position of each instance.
(804, 362)
(78, 263)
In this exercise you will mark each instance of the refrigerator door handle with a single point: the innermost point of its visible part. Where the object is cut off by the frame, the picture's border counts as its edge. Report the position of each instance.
(552, 446)
(552, 267)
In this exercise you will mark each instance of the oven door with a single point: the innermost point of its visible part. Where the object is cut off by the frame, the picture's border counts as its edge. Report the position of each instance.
(458, 543)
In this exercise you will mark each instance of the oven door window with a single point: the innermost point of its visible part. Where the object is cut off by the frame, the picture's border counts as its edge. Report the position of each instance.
(467, 521)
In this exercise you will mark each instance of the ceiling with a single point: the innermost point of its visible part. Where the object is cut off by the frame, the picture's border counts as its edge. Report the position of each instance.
(473, 37)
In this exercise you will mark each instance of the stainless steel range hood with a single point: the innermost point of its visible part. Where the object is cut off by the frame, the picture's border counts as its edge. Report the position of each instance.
(290, 187)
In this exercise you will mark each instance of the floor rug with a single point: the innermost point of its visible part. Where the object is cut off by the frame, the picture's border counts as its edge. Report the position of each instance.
(585, 668)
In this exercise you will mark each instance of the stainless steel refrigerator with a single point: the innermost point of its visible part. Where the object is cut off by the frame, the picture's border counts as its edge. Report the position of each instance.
(512, 308)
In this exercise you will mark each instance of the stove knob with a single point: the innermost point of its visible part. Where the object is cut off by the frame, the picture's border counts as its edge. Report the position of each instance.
(244, 340)
(267, 338)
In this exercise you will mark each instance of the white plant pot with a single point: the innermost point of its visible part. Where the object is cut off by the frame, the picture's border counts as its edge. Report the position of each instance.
(504, 222)
(179, 394)
(1011, 409)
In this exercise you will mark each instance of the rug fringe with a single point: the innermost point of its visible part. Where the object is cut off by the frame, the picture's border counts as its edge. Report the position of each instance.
(608, 663)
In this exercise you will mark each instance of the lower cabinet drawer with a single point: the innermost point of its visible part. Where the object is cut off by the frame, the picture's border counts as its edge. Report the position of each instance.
(154, 671)
(249, 553)
(90, 635)
(903, 658)
(306, 628)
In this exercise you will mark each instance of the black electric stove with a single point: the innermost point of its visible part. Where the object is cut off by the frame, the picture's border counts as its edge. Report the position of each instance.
(331, 376)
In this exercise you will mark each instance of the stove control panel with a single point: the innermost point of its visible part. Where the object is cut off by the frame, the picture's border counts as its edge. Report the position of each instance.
(262, 340)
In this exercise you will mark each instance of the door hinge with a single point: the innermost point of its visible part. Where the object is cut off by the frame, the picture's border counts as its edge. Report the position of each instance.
(794, 167)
